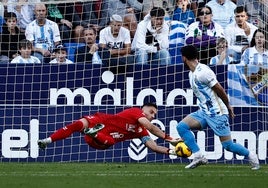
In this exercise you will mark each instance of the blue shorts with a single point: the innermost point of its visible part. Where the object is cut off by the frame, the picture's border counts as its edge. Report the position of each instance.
(219, 124)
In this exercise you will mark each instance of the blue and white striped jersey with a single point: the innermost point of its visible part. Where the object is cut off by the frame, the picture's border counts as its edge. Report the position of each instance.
(201, 81)
(252, 57)
(45, 36)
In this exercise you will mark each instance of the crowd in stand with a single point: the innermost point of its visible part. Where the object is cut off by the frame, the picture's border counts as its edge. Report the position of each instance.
(116, 32)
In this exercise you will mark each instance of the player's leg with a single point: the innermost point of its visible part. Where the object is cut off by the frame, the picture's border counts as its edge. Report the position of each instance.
(221, 128)
(192, 121)
(236, 148)
(94, 143)
(64, 132)
(92, 131)
(102, 138)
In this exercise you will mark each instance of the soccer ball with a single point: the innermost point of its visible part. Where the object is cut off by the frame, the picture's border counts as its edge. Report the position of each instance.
(182, 150)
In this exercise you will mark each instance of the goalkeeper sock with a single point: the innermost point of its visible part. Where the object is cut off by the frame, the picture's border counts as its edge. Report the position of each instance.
(188, 137)
(229, 145)
(66, 131)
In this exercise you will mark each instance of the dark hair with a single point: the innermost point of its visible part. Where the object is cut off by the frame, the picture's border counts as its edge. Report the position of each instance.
(9, 15)
(157, 12)
(90, 27)
(24, 43)
(200, 9)
(190, 52)
(253, 42)
(149, 104)
(240, 9)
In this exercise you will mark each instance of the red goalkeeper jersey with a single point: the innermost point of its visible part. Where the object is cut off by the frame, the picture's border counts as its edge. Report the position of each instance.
(121, 126)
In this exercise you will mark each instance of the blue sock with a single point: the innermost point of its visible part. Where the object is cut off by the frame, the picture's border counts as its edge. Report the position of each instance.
(188, 137)
(229, 145)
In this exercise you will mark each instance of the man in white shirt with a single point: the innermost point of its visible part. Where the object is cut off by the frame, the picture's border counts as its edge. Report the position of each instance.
(116, 38)
(43, 33)
(239, 33)
(151, 42)
(223, 11)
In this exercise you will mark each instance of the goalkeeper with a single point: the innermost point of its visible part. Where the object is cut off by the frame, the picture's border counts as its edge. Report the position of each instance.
(104, 130)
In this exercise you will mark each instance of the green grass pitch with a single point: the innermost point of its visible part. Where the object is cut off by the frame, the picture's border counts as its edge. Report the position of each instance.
(129, 175)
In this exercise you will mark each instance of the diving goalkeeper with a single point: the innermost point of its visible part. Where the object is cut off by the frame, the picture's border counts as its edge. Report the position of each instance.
(104, 130)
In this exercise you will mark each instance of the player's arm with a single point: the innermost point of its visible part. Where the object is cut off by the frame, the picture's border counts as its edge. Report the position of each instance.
(156, 131)
(150, 143)
(218, 89)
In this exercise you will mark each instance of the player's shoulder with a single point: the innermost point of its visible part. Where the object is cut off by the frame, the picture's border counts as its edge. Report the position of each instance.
(203, 70)
(133, 112)
(50, 22)
(132, 109)
(202, 67)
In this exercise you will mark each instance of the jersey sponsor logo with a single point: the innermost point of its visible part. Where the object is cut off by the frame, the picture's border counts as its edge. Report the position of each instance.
(117, 135)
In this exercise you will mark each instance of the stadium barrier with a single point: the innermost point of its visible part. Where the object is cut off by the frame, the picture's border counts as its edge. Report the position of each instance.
(38, 99)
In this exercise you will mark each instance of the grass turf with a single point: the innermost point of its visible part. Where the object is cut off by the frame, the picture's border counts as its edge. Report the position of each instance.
(117, 175)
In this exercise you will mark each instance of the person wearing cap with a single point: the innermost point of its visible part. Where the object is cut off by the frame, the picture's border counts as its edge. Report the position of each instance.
(151, 41)
(60, 55)
(116, 38)
(25, 50)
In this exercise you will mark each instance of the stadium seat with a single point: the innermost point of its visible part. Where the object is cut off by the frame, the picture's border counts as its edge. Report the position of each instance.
(71, 49)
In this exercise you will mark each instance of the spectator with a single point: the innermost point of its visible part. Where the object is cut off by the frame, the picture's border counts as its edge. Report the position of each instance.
(73, 17)
(10, 37)
(183, 13)
(196, 5)
(43, 33)
(123, 8)
(151, 39)
(65, 26)
(72, 13)
(257, 53)
(223, 11)
(25, 49)
(177, 31)
(24, 10)
(130, 23)
(2, 9)
(254, 10)
(222, 58)
(239, 33)
(91, 53)
(60, 55)
(203, 35)
(1, 16)
(117, 39)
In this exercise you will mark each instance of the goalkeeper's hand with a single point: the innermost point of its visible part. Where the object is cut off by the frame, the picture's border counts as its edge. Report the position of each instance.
(172, 141)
